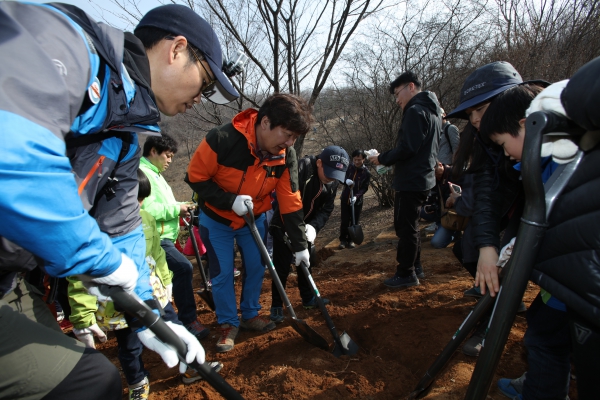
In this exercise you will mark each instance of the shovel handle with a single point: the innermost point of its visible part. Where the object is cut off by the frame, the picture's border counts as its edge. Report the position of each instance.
(249, 218)
(133, 306)
(196, 253)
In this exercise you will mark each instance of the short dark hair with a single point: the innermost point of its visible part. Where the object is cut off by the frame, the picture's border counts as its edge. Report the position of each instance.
(144, 187)
(359, 152)
(288, 111)
(405, 78)
(160, 143)
(508, 108)
(150, 36)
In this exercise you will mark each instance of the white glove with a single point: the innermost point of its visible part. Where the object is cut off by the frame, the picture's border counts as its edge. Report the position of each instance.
(167, 353)
(311, 233)
(549, 99)
(560, 147)
(353, 200)
(169, 289)
(303, 255)
(125, 276)
(239, 205)
(349, 182)
(505, 253)
(86, 335)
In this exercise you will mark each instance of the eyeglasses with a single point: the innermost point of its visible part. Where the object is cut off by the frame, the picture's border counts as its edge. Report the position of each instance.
(400, 91)
(207, 88)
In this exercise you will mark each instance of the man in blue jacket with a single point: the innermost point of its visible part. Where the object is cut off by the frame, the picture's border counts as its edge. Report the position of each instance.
(414, 158)
(73, 93)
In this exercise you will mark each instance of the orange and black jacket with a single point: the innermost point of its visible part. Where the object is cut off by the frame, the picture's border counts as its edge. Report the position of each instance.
(227, 164)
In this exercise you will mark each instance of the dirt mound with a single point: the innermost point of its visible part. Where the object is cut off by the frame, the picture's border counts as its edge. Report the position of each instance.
(399, 332)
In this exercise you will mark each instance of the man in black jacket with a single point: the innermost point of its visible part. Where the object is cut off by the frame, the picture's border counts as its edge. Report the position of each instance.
(414, 158)
(318, 178)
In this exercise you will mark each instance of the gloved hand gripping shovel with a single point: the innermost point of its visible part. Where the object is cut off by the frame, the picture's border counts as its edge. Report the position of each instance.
(355, 232)
(205, 294)
(342, 344)
(140, 310)
(300, 326)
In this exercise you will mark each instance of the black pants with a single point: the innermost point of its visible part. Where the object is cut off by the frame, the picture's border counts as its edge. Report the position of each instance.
(282, 258)
(407, 208)
(585, 339)
(346, 210)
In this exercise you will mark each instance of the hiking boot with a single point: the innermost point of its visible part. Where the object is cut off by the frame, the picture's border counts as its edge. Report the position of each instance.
(343, 245)
(511, 387)
(522, 308)
(431, 228)
(258, 324)
(140, 390)
(351, 245)
(473, 345)
(277, 314)
(312, 303)
(191, 375)
(227, 339)
(236, 272)
(419, 271)
(197, 329)
(475, 291)
(397, 281)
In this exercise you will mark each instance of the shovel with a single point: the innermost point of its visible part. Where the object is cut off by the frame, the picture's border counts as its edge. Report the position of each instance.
(133, 306)
(300, 326)
(205, 294)
(342, 344)
(355, 232)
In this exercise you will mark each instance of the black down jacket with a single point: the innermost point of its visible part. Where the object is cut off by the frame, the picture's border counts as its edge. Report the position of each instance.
(568, 264)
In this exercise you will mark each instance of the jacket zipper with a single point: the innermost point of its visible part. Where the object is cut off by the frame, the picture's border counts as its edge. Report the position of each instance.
(87, 178)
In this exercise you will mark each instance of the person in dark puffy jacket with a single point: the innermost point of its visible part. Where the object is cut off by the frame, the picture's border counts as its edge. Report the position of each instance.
(318, 179)
(357, 180)
(414, 159)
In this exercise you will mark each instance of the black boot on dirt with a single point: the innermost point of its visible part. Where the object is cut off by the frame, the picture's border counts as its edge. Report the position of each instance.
(472, 346)
(397, 282)
(277, 314)
(419, 271)
(343, 245)
(191, 376)
(312, 303)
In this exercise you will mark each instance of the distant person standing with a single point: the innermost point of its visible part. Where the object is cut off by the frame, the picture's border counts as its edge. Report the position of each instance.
(448, 141)
(414, 158)
(357, 179)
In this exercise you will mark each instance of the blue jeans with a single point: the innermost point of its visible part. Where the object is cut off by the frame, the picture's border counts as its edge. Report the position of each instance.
(218, 239)
(442, 237)
(183, 292)
(130, 350)
(548, 346)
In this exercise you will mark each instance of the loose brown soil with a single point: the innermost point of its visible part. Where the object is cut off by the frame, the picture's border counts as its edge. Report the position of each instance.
(399, 332)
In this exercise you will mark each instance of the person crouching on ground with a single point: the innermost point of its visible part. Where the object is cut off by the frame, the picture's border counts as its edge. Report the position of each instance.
(319, 178)
(235, 168)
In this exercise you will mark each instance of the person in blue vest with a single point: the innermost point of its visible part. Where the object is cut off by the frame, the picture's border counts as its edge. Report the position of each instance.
(74, 93)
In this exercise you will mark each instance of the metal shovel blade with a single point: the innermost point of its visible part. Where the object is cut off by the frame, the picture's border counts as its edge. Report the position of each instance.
(349, 347)
(356, 234)
(309, 334)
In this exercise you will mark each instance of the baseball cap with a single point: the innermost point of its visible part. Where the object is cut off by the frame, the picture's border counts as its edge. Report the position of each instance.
(485, 83)
(182, 20)
(335, 162)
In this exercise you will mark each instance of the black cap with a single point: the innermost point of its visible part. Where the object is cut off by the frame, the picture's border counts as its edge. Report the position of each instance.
(335, 162)
(182, 20)
(485, 83)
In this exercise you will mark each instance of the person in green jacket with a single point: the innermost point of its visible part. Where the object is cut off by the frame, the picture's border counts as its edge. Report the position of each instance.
(157, 154)
(91, 317)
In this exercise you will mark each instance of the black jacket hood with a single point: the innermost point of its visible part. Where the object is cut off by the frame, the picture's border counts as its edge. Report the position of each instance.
(425, 99)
